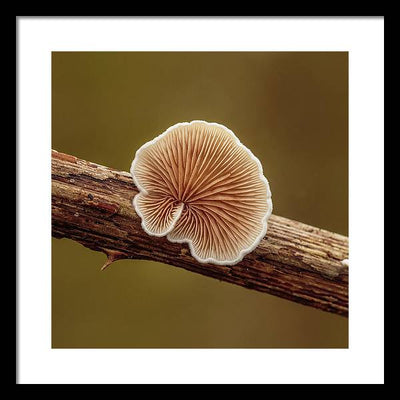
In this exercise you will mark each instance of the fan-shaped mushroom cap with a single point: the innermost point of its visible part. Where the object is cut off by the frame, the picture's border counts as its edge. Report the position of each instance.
(198, 184)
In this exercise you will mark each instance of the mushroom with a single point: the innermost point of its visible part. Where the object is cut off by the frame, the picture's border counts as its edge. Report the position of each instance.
(198, 184)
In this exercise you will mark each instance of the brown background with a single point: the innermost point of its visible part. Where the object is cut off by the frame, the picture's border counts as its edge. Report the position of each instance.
(289, 108)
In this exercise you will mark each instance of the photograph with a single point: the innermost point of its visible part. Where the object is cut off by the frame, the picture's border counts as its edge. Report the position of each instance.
(199, 199)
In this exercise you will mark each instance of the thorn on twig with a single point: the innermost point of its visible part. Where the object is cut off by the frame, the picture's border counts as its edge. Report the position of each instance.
(112, 256)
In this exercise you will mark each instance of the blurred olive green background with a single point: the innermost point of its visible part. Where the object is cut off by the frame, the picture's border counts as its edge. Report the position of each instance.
(289, 108)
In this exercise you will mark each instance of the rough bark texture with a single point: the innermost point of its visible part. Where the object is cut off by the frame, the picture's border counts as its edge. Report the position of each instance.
(92, 205)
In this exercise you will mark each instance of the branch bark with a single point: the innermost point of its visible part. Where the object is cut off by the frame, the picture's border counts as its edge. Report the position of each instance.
(92, 205)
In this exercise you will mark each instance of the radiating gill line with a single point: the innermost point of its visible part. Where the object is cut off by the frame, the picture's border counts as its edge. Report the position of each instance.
(205, 174)
(152, 162)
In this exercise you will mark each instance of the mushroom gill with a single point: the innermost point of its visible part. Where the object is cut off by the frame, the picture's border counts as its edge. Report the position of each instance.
(198, 184)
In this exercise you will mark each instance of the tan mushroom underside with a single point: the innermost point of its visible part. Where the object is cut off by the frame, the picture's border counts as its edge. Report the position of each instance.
(199, 184)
